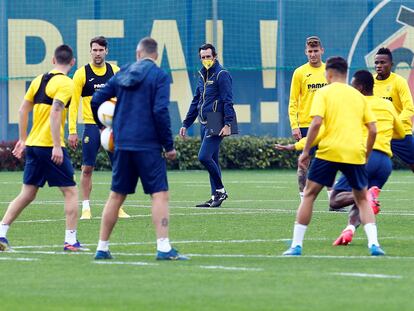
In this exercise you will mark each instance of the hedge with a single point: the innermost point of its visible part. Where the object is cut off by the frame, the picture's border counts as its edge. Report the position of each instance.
(238, 152)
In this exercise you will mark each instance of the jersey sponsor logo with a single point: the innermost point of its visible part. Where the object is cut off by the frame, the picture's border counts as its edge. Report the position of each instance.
(98, 86)
(315, 86)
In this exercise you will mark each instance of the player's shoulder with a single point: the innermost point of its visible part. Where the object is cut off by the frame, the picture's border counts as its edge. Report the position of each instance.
(61, 80)
(302, 68)
(114, 67)
(396, 78)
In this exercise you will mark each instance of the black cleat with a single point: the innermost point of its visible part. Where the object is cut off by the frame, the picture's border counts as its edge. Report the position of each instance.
(219, 197)
(205, 204)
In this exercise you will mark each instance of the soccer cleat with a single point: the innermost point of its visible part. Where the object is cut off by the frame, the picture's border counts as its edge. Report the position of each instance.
(4, 244)
(77, 247)
(171, 255)
(102, 255)
(86, 214)
(123, 214)
(219, 197)
(205, 204)
(376, 250)
(344, 239)
(293, 251)
(373, 194)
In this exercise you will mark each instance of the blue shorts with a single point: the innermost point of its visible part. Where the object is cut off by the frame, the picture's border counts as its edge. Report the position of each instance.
(129, 166)
(91, 142)
(39, 168)
(404, 149)
(304, 133)
(379, 168)
(323, 172)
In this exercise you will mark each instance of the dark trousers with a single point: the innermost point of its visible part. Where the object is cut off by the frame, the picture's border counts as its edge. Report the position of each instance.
(209, 157)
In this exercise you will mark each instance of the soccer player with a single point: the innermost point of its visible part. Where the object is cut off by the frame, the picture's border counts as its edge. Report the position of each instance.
(345, 113)
(46, 157)
(379, 165)
(142, 129)
(393, 87)
(213, 93)
(88, 79)
(306, 80)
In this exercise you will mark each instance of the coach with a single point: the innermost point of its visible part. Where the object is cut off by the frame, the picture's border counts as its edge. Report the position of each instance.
(213, 93)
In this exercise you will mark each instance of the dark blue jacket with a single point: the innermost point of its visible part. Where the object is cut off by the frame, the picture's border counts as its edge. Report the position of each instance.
(213, 93)
(141, 118)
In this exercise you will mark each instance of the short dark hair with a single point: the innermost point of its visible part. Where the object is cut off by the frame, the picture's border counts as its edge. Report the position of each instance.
(365, 79)
(101, 40)
(337, 63)
(148, 45)
(63, 54)
(313, 41)
(385, 51)
(207, 46)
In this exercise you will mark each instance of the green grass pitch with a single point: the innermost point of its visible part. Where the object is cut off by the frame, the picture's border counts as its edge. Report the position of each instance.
(235, 251)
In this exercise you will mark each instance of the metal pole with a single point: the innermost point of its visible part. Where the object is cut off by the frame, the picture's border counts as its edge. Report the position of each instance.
(4, 122)
(215, 18)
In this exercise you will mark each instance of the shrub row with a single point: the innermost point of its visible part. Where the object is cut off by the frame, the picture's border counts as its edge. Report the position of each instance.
(244, 152)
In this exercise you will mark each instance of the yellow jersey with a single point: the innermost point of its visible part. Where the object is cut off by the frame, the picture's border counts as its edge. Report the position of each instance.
(388, 126)
(87, 80)
(42, 93)
(306, 81)
(395, 88)
(345, 111)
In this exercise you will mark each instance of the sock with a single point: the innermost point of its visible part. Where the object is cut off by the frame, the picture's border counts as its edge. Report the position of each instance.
(212, 197)
(3, 230)
(329, 192)
(371, 232)
(163, 245)
(221, 190)
(103, 246)
(301, 196)
(85, 205)
(298, 234)
(70, 236)
(350, 227)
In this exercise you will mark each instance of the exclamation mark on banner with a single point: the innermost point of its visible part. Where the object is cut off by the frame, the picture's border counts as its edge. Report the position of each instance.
(269, 110)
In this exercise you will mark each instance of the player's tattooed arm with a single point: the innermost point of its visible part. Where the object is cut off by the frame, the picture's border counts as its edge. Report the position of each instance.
(55, 124)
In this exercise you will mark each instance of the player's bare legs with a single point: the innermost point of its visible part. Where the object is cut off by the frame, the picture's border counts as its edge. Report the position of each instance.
(160, 213)
(304, 213)
(25, 197)
(71, 206)
(340, 199)
(110, 214)
(303, 217)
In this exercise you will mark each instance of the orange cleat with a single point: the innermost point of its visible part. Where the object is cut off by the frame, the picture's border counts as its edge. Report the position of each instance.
(345, 238)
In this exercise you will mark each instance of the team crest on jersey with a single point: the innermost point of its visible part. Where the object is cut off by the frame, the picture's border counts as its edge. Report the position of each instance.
(86, 140)
(400, 41)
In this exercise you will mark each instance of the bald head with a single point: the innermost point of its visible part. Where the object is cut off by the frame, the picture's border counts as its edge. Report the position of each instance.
(147, 48)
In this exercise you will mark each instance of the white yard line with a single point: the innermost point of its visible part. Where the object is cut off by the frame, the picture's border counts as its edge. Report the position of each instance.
(226, 211)
(231, 268)
(368, 275)
(18, 259)
(132, 263)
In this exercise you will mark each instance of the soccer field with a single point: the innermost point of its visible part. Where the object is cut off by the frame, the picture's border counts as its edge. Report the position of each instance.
(235, 251)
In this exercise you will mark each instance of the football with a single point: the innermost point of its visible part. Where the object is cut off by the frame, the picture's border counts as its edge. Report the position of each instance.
(106, 113)
(107, 139)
